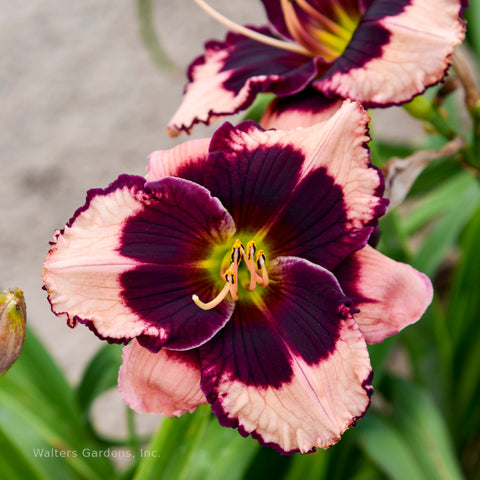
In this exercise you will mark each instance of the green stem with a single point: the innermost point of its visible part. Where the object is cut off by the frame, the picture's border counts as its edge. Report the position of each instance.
(149, 35)
(134, 441)
(475, 160)
(423, 109)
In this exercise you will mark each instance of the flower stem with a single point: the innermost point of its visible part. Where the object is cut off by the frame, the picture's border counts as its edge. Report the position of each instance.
(149, 36)
(423, 109)
(464, 74)
(472, 99)
(132, 433)
(171, 448)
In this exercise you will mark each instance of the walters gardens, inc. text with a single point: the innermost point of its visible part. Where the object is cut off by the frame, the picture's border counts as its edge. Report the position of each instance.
(88, 452)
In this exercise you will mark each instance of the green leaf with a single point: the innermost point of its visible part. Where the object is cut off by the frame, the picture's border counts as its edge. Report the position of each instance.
(466, 390)
(36, 371)
(382, 152)
(393, 241)
(220, 449)
(412, 441)
(39, 443)
(100, 375)
(464, 304)
(313, 466)
(429, 350)
(422, 425)
(438, 202)
(268, 463)
(39, 412)
(473, 33)
(258, 107)
(437, 173)
(195, 447)
(172, 435)
(462, 324)
(386, 446)
(379, 356)
(446, 233)
(14, 465)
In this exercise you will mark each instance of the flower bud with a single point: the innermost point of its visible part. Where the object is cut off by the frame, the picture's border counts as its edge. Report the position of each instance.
(12, 327)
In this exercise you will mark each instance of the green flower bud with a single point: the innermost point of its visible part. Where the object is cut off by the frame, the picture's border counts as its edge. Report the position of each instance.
(12, 327)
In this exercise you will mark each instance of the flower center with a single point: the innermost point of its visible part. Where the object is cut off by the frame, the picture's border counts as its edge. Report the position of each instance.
(249, 257)
(325, 34)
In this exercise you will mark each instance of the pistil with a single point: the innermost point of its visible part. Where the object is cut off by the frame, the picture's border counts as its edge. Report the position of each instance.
(259, 37)
(229, 287)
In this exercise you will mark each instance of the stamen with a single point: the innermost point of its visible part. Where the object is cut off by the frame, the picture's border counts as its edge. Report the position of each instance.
(255, 265)
(259, 37)
(260, 259)
(344, 18)
(250, 262)
(236, 256)
(251, 249)
(231, 278)
(238, 252)
(324, 21)
(261, 266)
(299, 33)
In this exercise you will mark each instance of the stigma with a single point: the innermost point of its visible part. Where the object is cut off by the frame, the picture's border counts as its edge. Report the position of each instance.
(254, 261)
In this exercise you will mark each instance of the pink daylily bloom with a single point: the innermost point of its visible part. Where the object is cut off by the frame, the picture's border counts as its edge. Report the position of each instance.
(301, 110)
(240, 275)
(378, 52)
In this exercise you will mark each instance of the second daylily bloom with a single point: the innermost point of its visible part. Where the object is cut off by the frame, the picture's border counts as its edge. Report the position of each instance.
(241, 276)
(378, 52)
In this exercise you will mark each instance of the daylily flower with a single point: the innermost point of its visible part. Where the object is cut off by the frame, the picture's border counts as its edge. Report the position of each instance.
(240, 271)
(378, 52)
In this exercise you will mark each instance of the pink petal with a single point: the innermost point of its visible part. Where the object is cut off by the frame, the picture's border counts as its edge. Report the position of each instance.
(166, 382)
(389, 294)
(82, 272)
(416, 55)
(129, 261)
(313, 409)
(185, 161)
(302, 110)
(207, 89)
(293, 369)
(337, 147)
(264, 178)
(227, 78)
